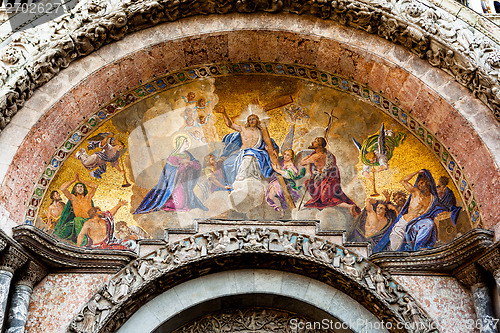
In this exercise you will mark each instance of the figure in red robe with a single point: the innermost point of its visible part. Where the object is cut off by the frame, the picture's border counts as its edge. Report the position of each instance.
(324, 184)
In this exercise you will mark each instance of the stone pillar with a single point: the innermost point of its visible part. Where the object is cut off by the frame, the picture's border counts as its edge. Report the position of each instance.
(484, 307)
(30, 275)
(11, 259)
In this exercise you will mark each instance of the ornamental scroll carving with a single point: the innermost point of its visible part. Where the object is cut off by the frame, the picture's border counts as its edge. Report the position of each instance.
(34, 56)
(150, 275)
(259, 320)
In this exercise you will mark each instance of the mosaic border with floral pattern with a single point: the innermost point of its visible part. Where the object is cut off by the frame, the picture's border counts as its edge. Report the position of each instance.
(171, 80)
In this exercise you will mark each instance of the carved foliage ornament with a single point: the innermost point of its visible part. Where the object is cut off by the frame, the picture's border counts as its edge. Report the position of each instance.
(258, 320)
(429, 32)
(12, 259)
(148, 276)
(31, 274)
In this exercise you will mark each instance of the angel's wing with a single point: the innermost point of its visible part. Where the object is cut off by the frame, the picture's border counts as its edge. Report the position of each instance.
(382, 149)
(356, 143)
(300, 156)
(288, 141)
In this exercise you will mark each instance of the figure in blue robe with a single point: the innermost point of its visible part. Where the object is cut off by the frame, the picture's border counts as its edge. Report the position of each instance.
(175, 188)
(234, 156)
(419, 232)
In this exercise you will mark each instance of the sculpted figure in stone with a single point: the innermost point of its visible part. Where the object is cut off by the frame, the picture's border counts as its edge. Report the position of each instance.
(222, 244)
(288, 246)
(253, 241)
(96, 7)
(412, 314)
(123, 285)
(380, 284)
(349, 261)
(317, 249)
(189, 250)
(90, 318)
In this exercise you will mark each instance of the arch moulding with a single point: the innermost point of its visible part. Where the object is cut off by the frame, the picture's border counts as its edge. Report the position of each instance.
(250, 248)
(461, 123)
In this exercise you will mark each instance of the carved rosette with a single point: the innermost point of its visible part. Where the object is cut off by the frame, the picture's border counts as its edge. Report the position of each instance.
(31, 274)
(201, 254)
(431, 33)
(12, 259)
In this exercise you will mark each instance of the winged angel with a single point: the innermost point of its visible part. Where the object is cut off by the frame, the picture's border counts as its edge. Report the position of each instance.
(110, 151)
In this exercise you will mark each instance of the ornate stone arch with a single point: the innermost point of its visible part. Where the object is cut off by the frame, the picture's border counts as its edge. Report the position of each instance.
(470, 54)
(219, 251)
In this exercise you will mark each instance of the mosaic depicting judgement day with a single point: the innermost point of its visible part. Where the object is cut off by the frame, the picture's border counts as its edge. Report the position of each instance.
(253, 148)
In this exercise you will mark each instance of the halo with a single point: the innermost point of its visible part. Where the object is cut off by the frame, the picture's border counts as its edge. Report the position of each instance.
(179, 135)
(253, 109)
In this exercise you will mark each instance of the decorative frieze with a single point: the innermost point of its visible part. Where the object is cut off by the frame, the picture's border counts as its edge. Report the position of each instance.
(226, 249)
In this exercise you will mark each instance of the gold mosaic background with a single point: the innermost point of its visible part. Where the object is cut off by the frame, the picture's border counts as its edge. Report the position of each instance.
(353, 118)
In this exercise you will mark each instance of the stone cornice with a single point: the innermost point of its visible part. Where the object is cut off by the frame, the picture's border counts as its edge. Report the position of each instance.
(439, 261)
(62, 257)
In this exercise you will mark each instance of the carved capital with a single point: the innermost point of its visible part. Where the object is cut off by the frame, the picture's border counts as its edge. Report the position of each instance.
(491, 261)
(469, 276)
(31, 274)
(11, 259)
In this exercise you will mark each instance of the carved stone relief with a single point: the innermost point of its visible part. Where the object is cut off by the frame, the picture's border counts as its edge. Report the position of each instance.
(148, 276)
(259, 320)
(469, 55)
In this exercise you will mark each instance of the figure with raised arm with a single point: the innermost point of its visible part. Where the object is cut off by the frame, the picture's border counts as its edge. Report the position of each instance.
(75, 212)
(245, 151)
(324, 184)
(414, 228)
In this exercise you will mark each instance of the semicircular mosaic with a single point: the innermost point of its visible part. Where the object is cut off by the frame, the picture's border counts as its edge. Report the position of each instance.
(259, 141)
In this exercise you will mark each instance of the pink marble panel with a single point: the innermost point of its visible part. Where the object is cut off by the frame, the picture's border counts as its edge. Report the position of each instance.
(58, 298)
(444, 299)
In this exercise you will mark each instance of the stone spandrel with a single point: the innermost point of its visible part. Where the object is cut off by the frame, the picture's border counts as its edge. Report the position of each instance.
(58, 298)
(447, 302)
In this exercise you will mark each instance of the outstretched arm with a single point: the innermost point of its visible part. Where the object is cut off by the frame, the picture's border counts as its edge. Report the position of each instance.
(405, 181)
(369, 204)
(121, 203)
(220, 109)
(65, 187)
(309, 159)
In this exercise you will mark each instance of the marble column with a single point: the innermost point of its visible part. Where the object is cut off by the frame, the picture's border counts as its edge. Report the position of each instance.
(496, 275)
(484, 308)
(31, 274)
(11, 260)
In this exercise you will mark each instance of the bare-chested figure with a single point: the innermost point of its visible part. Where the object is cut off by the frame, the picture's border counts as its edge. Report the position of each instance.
(324, 184)
(376, 218)
(245, 155)
(420, 202)
(54, 210)
(99, 228)
(81, 195)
